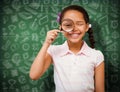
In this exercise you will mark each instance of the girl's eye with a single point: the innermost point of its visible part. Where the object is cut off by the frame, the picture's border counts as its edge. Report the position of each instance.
(80, 24)
(68, 25)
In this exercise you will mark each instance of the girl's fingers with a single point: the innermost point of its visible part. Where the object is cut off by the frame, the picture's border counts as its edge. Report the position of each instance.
(51, 36)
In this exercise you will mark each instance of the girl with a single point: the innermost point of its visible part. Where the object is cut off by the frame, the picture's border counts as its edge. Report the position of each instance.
(77, 67)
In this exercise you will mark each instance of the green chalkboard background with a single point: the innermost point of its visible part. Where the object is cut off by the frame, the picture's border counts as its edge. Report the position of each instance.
(23, 26)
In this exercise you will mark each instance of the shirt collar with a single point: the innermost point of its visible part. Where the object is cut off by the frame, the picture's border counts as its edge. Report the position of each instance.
(84, 50)
(65, 49)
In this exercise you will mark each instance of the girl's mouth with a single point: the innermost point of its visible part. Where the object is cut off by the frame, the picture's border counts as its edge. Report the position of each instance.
(75, 35)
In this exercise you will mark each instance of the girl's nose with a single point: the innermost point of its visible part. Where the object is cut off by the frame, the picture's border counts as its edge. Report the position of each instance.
(75, 28)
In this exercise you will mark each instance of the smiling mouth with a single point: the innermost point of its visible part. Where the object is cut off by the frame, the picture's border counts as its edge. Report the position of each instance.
(75, 35)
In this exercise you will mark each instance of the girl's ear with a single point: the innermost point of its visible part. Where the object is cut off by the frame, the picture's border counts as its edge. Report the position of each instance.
(88, 26)
(60, 27)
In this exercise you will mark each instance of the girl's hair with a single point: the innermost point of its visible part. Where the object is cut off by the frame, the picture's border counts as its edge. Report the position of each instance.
(86, 17)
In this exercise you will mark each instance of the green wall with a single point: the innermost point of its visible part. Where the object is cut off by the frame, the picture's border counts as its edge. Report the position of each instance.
(23, 26)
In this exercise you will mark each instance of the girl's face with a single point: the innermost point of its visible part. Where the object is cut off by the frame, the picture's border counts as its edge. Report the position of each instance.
(80, 26)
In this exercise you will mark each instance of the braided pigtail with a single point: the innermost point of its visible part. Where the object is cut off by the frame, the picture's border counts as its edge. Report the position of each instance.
(91, 37)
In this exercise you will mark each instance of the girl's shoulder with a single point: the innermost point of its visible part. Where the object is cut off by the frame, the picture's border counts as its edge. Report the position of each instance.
(97, 52)
(60, 47)
(92, 51)
(97, 56)
(55, 49)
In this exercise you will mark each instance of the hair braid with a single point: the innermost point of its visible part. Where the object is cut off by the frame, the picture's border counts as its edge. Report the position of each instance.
(91, 38)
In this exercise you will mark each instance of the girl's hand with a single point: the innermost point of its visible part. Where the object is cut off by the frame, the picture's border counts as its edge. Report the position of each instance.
(51, 36)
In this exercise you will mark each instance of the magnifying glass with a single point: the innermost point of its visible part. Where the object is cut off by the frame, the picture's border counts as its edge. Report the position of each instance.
(67, 25)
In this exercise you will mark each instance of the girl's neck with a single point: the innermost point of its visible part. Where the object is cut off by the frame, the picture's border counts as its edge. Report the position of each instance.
(75, 47)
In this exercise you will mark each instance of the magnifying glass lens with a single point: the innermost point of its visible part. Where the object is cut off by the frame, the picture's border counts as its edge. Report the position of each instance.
(67, 25)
